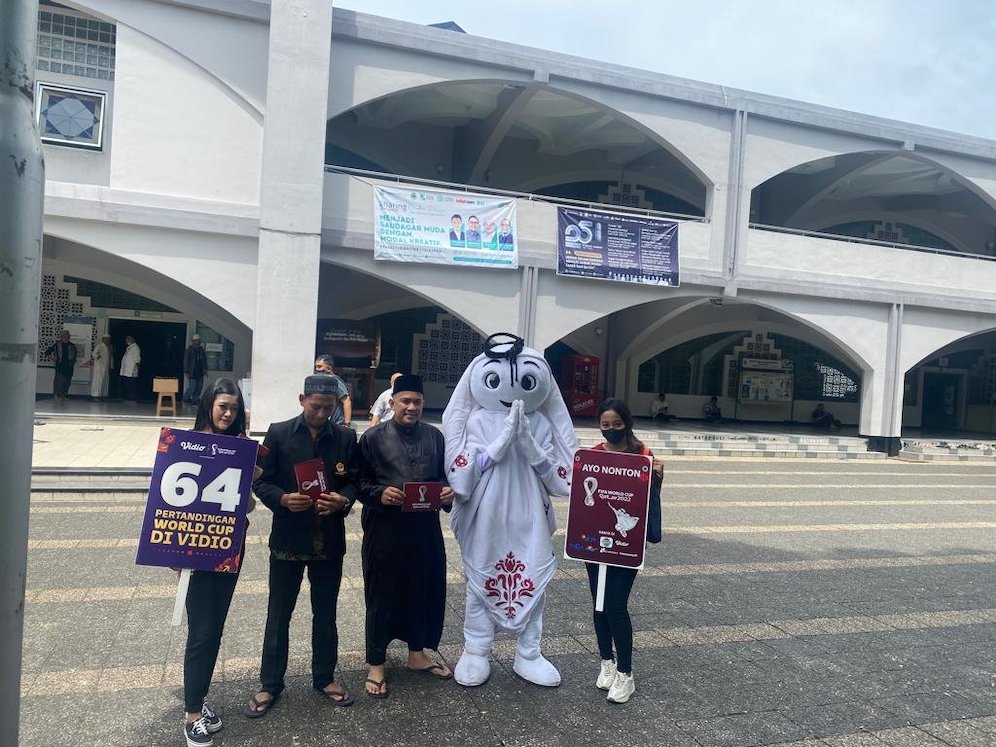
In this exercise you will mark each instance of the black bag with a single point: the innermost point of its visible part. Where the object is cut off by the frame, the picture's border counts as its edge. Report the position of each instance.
(654, 527)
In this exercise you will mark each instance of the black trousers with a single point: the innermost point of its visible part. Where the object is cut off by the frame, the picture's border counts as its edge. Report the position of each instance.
(60, 385)
(129, 388)
(208, 599)
(324, 577)
(613, 624)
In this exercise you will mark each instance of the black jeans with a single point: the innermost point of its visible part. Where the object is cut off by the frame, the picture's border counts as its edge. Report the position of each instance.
(208, 599)
(613, 625)
(324, 577)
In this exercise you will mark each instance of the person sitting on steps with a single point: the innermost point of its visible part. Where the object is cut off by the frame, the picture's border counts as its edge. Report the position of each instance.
(711, 410)
(823, 419)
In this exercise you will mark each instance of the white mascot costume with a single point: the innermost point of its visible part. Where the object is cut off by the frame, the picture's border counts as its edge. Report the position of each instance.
(509, 446)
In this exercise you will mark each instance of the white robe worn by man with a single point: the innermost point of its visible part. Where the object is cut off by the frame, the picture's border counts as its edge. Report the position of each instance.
(101, 367)
(509, 446)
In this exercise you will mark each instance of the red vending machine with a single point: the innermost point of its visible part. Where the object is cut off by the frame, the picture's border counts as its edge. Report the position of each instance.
(579, 377)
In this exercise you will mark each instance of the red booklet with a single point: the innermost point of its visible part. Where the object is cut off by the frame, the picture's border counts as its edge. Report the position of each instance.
(422, 496)
(311, 479)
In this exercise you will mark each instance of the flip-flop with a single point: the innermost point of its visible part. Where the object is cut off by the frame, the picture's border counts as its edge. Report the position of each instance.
(339, 698)
(431, 670)
(378, 684)
(258, 708)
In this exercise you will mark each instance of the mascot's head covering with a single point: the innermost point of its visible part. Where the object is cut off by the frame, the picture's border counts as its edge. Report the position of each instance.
(506, 371)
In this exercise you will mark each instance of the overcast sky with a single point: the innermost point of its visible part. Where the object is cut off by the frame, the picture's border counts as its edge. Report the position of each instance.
(931, 62)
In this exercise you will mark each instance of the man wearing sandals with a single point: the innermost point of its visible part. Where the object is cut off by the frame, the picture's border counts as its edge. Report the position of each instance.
(404, 559)
(305, 534)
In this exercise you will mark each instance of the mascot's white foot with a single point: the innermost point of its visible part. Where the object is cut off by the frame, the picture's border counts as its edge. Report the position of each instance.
(472, 670)
(539, 671)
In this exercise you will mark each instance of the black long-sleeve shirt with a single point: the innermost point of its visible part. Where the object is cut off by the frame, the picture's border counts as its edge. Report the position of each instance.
(290, 443)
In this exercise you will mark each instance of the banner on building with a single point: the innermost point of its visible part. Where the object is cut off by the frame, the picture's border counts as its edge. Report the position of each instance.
(443, 227)
(195, 516)
(627, 248)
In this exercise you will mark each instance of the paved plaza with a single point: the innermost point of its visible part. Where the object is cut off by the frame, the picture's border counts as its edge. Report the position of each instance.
(792, 602)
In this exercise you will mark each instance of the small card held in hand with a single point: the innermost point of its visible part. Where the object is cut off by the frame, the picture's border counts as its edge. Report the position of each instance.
(311, 479)
(422, 496)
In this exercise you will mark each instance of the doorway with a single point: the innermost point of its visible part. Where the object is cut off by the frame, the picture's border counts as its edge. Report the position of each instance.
(162, 345)
(941, 396)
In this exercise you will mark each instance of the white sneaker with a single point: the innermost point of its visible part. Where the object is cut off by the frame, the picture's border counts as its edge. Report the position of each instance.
(622, 687)
(607, 675)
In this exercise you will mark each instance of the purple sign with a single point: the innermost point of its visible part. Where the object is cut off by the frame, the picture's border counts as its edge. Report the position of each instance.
(628, 248)
(607, 513)
(196, 513)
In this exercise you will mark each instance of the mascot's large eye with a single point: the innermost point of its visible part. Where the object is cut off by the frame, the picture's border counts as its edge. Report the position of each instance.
(528, 382)
(492, 380)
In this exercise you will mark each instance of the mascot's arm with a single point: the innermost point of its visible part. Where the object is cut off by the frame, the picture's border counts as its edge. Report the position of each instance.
(468, 465)
(538, 445)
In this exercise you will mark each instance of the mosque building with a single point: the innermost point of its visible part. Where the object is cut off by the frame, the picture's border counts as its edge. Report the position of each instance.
(237, 169)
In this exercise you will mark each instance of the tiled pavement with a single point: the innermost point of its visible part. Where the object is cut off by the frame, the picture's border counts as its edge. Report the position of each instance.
(791, 603)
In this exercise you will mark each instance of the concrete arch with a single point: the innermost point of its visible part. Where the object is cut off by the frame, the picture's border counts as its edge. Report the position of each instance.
(769, 317)
(478, 298)
(201, 263)
(408, 69)
(688, 303)
(191, 33)
(500, 125)
(105, 267)
(565, 305)
(927, 333)
(937, 196)
(794, 326)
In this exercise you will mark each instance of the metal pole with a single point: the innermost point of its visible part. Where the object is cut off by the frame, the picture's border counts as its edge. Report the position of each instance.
(22, 189)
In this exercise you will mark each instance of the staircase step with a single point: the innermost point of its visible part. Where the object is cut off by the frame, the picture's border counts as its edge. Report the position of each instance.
(963, 450)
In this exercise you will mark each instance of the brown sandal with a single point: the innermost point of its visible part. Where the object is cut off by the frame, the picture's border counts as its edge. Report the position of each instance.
(258, 708)
(338, 697)
(379, 684)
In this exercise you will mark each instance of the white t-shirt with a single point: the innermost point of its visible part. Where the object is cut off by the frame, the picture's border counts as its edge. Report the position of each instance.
(130, 360)
(382, 406)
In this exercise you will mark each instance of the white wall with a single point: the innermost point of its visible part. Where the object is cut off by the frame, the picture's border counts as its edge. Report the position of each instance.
(809, 262)
(178, 130)
(363, 72)
(229, 47)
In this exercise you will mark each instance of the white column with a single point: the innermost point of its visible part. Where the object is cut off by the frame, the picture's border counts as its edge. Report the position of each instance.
(291, 183)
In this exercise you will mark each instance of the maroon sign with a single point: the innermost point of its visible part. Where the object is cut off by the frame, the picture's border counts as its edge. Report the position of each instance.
(607, 514)
(423, 496)
(311, 478)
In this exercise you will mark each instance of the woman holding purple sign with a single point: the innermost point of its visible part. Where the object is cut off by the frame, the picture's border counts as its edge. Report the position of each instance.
(613, 626)
(221, 410)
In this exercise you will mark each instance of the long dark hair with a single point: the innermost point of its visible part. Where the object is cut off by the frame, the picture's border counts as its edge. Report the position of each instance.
(620, 408)
(203, 419)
